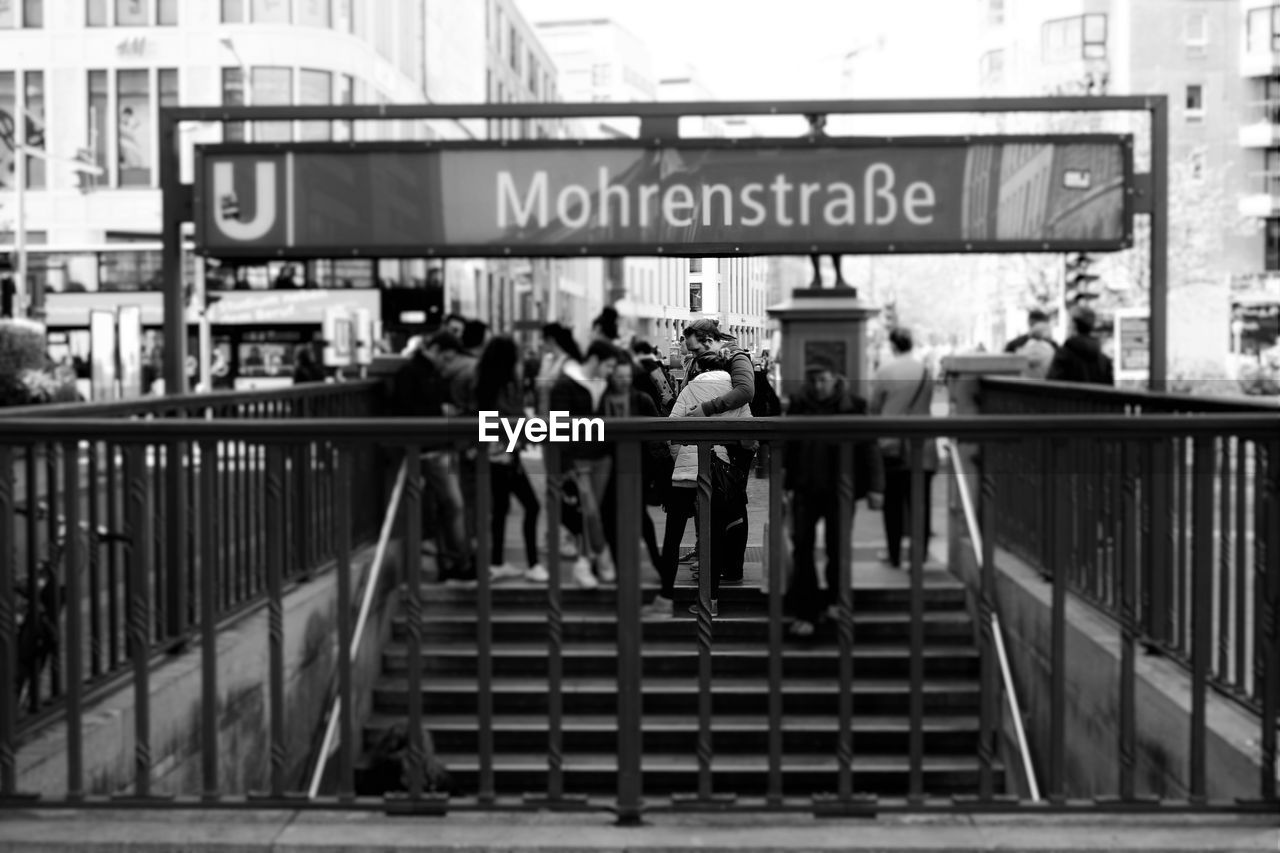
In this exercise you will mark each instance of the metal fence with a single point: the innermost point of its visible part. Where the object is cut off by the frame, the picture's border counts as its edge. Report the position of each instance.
(342, 440)
(147, 517)
(1192, 512)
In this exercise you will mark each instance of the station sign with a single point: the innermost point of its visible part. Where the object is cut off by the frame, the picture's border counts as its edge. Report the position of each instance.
(682, 198)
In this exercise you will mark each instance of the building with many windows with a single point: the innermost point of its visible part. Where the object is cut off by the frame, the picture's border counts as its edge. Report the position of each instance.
(1213, 58)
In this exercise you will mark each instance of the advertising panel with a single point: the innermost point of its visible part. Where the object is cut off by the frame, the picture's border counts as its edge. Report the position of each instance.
(129, 334)
(102, 346)
(729, 197)
(1132, 346)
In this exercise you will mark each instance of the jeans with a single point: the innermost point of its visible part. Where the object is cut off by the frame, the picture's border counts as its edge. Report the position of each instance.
(804, 597)
(443, 490)
(897, 507)
(592, 478)
(506, 481)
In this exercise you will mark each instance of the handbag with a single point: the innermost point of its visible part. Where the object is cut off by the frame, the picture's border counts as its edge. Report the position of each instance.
(892, 448)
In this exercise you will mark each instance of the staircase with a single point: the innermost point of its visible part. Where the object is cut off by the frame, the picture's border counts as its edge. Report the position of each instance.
(670, 716)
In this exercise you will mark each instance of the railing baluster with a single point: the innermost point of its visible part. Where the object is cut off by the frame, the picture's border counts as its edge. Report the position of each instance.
(1267, 609)
(1182, 536)
(346, 705)
(176, 519)
(777, 580)
(1241, 478)
(705, 569)
(114, 522)
(413, 616)
(918, 549)
(94, 499)
(990, 707)
(630, 505)
(1161, 530)
(8, 626)
(139, 528)
(209, 754)
(484, 623)
(1058, 640)
(1128, 552)
(74, 612)
(1201, 609)
(276, 534)
(555, 628)
(52, 472)
(1222, 528)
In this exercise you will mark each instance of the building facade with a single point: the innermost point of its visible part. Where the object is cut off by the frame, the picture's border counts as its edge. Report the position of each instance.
(1192, 51)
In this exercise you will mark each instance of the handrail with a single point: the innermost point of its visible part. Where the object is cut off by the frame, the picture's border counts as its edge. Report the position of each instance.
(1006, 675)
(366, 605)
(190, 402)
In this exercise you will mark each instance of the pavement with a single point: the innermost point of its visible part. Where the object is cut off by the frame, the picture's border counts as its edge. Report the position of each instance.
(123, 831)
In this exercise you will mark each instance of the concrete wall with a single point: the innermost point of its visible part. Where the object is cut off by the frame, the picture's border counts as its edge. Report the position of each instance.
(1092, 711)
(244, 712)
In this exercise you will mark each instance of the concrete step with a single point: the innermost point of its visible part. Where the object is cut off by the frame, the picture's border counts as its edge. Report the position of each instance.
(449, 627)
(451, 696)
(745, 775)
(672, 659)
(810, 734)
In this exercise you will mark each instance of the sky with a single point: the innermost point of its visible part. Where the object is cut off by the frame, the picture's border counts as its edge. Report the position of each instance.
(767, 50)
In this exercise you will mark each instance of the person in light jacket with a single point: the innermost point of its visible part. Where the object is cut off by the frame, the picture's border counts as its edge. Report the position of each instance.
(728, 519)
(903, 387)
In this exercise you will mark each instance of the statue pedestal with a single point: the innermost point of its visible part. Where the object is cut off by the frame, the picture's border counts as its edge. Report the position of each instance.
(823, 325)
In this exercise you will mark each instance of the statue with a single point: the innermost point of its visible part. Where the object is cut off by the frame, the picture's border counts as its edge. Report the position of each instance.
(818, 128)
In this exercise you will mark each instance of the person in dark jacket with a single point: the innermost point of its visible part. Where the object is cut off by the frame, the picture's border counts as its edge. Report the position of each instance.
(419, 391)
(812, 479)
(655, 457)
(1081, 358)
(580, 392)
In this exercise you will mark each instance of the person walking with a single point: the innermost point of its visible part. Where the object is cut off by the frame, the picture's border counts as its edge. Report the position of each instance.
(498, 388)
(1081, 358)
(903, 387)
(812, 483)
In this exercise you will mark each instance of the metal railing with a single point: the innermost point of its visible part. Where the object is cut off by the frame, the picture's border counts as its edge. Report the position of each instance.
(1192, 511)
(991, 633)
(104, 514)
(1267, 111)
(341, 440)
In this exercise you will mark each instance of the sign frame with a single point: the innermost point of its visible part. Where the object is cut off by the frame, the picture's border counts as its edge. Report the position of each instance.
(205, 153)
(1124, 318)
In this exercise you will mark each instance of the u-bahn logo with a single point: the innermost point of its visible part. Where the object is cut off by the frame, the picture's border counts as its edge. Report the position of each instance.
(246, 202)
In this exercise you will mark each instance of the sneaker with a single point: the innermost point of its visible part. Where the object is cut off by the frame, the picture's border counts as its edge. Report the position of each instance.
(568, 548)
(504, 572)
(537, 574)
(715, 608)
(690, 557)
(582, 574)
(659, 608)
(605, 569)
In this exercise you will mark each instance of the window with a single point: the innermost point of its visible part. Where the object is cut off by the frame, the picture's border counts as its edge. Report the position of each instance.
(95, 13)
(313, 13)
(233, 92)
(1195, 165)
(695, 265)
(995, 12)
(32, 12)
(342, 15)
(1195, 31)
(233, 11)
(33, 84)
(1271, 252)
(315, 88)
(1071, 39)
(344, 89)
(99, 101)
(513, 45)
(1195, 102)
(167, 13)
(133, 127)
(271, 11)
(1262, 29)
(131, 13)
(272, 87)
(991, 69)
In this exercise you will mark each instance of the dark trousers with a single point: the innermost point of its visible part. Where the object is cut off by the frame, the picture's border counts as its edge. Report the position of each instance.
(680, 505)
(506, 481)
(804, 597)
(649, 533)
(897, 507)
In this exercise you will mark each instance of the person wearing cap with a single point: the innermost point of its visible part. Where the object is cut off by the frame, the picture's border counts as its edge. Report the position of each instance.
(1081, 358)
(812, 480)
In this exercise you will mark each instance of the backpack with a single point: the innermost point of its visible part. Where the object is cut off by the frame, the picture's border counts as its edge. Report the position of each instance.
(765, 402)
